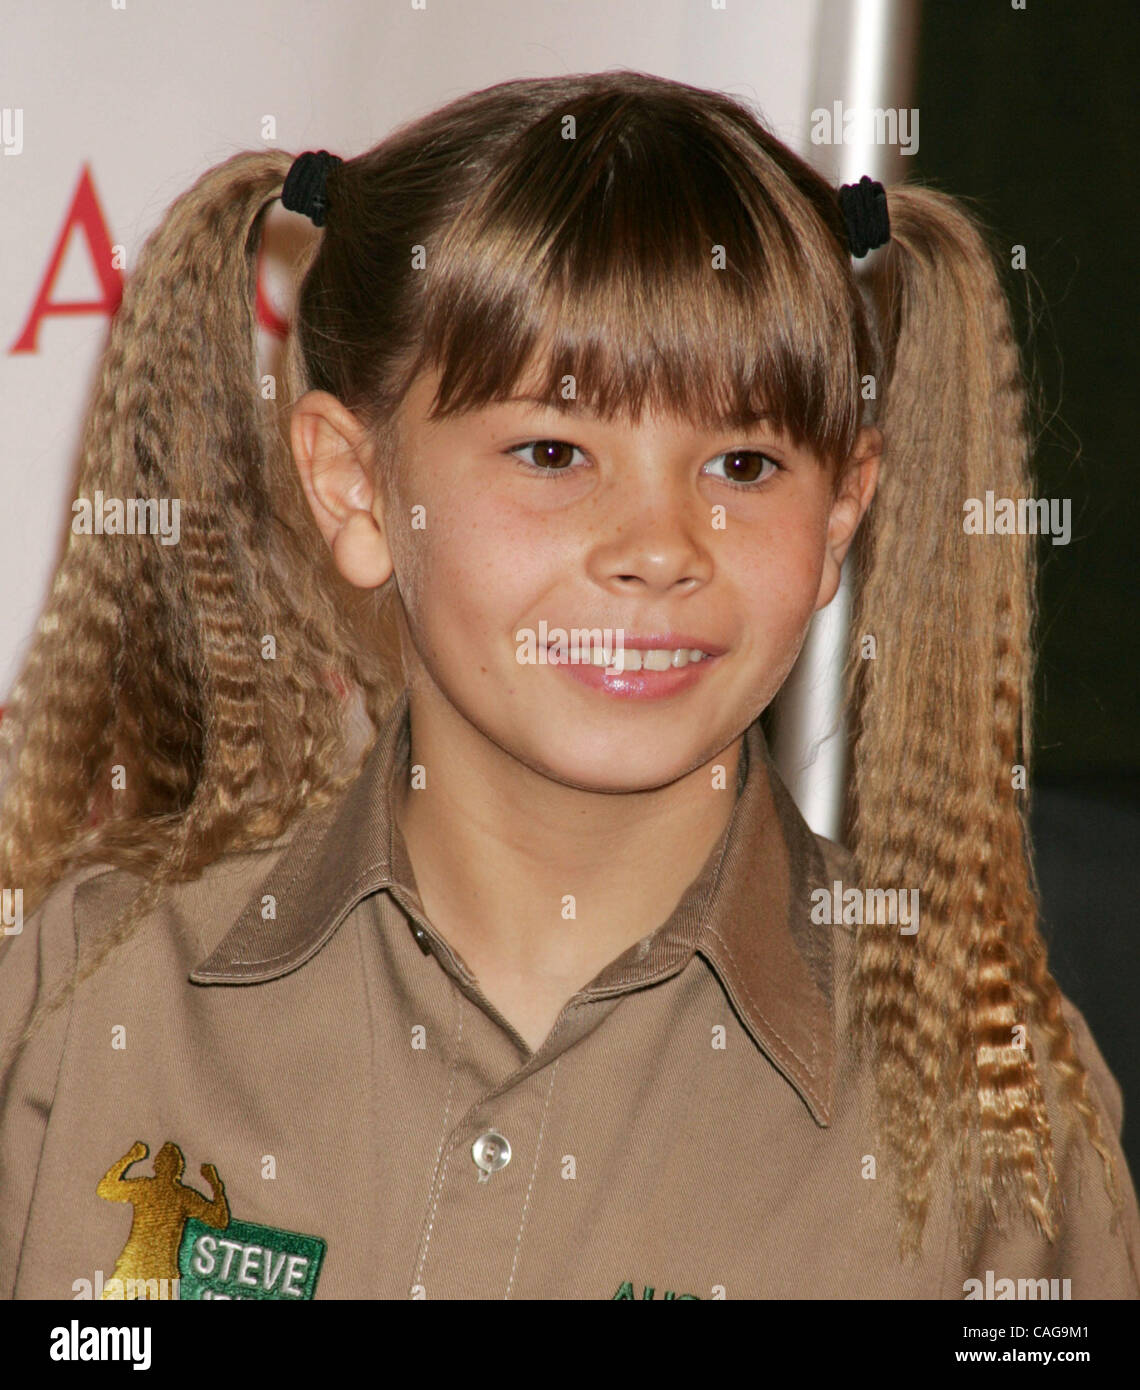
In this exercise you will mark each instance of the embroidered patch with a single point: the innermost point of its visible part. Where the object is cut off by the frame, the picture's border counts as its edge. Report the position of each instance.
(625, 1291)
(259, 1262)
(172, 1251)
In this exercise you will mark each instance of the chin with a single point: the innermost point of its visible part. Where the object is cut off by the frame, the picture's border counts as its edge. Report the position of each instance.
(611, 773)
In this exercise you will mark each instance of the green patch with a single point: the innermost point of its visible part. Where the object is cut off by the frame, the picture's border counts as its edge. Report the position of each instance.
(247, 1261)
(625, 1291)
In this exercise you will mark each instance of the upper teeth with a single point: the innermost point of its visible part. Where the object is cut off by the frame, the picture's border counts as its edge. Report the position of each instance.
(656, 660)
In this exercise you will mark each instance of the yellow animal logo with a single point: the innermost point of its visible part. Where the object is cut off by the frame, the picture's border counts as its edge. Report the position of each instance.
(162, 1204)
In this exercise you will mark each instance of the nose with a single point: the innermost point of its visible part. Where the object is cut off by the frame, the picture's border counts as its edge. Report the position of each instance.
(659, 547)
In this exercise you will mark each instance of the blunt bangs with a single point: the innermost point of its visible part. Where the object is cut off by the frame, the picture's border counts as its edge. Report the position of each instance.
(663, 261)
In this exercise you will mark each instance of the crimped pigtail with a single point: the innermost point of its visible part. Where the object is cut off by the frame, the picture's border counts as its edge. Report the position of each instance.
(183, 699)
(962, 1013)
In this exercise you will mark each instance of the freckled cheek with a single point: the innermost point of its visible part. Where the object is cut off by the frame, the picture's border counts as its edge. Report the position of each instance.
(778, 577)
(476, 576)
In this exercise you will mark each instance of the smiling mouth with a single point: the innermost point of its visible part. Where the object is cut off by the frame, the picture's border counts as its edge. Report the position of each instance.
(635, 659)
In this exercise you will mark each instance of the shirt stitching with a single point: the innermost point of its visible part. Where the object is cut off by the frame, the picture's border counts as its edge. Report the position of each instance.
(370, 1004)
(533, 1174)
(439, 1174)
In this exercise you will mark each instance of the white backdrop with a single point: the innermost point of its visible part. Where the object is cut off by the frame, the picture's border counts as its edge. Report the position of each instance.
(111, 108)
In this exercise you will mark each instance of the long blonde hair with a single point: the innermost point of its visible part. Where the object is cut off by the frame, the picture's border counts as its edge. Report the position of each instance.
(581, 215)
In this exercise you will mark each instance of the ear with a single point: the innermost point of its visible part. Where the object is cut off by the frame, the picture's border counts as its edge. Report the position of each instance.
(334, 455)
(856, 488)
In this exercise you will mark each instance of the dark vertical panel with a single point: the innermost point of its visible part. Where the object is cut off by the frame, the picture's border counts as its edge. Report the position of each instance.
(1034, 114)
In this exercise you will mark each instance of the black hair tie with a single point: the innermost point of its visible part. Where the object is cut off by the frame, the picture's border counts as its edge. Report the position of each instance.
(864, 207)
(304, 189)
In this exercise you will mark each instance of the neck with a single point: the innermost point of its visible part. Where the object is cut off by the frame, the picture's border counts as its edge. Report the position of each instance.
(498, 850)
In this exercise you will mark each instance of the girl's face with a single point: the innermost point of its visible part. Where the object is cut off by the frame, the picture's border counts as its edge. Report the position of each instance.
(725, 541)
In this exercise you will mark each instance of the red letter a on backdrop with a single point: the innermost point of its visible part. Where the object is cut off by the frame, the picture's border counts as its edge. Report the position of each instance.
(86, 214)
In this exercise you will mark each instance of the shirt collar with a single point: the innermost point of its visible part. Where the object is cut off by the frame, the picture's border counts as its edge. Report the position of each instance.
(747, 913)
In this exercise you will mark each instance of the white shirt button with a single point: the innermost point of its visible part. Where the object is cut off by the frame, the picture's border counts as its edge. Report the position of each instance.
(491, 1151)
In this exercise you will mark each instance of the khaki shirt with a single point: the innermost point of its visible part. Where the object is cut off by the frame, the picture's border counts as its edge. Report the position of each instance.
(694, 1126)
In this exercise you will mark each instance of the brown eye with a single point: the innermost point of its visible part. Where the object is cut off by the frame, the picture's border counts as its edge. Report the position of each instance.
(554, 454)
(747, 466)
(546, 458)
(743, 467)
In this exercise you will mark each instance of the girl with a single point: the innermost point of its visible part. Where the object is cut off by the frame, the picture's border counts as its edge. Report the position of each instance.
(460, 964)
